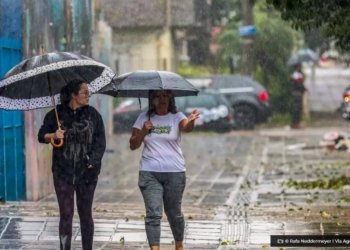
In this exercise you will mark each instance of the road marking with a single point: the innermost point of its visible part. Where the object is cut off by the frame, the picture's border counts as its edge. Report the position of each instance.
(242, 177)
(213, 181)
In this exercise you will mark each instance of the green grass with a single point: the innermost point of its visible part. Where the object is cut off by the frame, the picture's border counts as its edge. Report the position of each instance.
(276, 120)
(282, 120)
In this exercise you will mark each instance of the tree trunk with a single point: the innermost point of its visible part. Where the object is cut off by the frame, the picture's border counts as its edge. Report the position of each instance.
(248, 42)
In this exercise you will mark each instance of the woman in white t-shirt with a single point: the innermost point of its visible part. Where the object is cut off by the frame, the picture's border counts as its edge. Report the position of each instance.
(162, 176)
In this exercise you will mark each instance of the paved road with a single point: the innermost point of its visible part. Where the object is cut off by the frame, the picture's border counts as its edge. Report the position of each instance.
(326, 88)
(236, 195)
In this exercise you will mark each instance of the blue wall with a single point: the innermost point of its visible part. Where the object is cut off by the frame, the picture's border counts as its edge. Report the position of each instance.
(11, 19)
(12, 166)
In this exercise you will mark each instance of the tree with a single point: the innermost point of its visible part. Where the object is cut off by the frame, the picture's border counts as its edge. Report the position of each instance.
(227, 13)
(315, 40)
(274, 41)
(273, 44)
(331, 16)
(231, 47)
(222, 10)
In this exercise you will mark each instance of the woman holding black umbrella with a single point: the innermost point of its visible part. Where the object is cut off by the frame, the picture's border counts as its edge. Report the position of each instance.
(76, 165)
(162, 176)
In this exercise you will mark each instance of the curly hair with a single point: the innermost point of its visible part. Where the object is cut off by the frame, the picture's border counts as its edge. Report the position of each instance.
(72, 87)
(151, 108)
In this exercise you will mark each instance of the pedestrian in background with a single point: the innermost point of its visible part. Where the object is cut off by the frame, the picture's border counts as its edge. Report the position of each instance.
(298, 90)
(76, 165)
(162, 176)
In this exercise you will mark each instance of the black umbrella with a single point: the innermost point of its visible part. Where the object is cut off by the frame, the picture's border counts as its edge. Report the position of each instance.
(36, 82)
(138, 84)
(32, 83)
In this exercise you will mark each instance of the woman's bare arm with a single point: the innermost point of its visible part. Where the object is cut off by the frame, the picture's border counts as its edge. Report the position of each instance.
(138, 135)
(136, 138)
(187, 125)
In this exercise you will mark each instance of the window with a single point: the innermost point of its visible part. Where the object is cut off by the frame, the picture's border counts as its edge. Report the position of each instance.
(202, 101)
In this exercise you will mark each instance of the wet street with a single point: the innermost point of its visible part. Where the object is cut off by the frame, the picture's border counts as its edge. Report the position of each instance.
(242, 187)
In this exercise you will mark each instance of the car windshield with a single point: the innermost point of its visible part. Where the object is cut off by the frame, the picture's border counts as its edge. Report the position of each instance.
(134, 103)
(180, 102)
(202, 101)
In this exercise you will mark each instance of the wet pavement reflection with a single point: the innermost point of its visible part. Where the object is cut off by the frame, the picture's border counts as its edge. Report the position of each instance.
(242, 187)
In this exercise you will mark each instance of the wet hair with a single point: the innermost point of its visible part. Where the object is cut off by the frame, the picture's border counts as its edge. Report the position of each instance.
(151, 108)
(72, 87)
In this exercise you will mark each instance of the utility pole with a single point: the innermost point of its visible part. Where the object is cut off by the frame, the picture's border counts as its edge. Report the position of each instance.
(68, 24)
(248, 42)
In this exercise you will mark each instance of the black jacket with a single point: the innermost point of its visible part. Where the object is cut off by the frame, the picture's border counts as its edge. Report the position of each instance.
(84, 143)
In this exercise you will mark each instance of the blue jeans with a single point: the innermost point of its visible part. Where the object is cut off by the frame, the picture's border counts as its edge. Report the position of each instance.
(158, 189)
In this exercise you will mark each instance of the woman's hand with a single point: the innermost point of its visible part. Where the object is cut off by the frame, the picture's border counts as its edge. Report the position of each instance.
(59, 134)
(147, 126)
(53, 137)
(138, 135)
(187, 125)
(194, 115)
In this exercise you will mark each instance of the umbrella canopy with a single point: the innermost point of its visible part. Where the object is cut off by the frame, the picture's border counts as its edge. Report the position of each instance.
(36, 82)
(138, 84)
(304, 55)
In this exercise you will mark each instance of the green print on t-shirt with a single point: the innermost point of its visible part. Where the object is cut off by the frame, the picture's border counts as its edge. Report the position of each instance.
(161, 129)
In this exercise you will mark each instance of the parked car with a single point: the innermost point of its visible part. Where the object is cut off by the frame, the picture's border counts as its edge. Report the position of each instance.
(344, 107)
(126, 112)
(216, 113)
(248, 98)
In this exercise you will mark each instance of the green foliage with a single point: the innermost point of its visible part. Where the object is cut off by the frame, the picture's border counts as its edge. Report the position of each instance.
(324, 183)
(277, 120)
(331, 16)
(231, 47)
(273, 43)
(187, 70)
(272, 47)
(315, 39)
(228, 12)
(225, 9)
(116, 101)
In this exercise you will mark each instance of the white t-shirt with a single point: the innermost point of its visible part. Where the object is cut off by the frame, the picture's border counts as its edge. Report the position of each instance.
(161, 151)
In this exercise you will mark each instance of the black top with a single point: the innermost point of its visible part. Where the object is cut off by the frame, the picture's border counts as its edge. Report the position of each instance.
(84, 143)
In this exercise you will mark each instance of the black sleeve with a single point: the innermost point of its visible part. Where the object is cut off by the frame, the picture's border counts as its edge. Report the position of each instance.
(98, 146)
(48, 126)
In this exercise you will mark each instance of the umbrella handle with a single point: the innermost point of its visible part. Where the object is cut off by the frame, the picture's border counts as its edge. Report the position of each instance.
(52, 140)
(59, 144)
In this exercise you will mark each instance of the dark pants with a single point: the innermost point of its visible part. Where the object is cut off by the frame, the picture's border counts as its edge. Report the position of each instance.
(159, 188)
(84, 197)
(297, 108)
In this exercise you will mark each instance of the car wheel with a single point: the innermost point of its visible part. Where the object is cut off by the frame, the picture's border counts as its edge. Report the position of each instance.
(244, 116)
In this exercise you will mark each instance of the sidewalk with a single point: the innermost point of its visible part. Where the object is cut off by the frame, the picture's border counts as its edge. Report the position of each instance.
(236, 195)
(326, 88)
